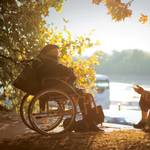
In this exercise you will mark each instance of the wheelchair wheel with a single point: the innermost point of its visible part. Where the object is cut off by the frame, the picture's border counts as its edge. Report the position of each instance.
(48, 109)
(24, 110)
(81, 126)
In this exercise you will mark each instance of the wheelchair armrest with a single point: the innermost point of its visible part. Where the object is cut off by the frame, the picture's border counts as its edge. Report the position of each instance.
(64, 79)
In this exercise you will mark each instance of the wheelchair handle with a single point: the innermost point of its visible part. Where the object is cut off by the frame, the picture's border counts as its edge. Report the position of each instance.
(28, 61)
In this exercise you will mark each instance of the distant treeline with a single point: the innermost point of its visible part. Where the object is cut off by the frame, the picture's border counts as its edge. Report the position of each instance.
(126, 62)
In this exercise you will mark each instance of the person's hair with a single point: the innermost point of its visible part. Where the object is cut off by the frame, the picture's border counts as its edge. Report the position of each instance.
(48, 48)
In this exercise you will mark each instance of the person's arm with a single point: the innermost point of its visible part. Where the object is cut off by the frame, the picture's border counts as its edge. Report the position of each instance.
(66, 71)
(145, 94)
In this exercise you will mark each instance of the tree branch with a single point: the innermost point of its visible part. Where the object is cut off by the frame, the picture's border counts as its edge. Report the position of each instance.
(8, 58)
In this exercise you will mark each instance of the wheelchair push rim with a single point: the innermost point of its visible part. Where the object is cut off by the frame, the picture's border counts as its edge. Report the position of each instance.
(24, 110)
(48, 120)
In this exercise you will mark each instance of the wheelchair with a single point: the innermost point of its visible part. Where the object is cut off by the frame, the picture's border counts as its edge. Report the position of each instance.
(52, 110)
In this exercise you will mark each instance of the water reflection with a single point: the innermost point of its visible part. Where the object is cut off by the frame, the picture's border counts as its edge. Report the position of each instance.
(120, 91)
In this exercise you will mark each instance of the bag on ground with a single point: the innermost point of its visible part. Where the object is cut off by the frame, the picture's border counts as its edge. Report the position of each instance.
(98, 117)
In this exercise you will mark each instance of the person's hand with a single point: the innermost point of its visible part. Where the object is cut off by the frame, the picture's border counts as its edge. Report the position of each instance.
(138, 89)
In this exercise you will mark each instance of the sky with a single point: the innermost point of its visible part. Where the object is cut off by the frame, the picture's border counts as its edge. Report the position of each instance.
(84, 16)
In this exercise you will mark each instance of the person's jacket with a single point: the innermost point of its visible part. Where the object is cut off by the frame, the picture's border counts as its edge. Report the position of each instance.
(52, 68)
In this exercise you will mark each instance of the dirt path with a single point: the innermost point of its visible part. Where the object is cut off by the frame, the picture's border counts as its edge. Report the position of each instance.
(11, 126)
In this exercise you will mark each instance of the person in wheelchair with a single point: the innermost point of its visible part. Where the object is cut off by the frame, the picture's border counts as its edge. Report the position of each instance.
(51, 67)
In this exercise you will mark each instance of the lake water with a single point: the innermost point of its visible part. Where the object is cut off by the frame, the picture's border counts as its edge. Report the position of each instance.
(123, 91)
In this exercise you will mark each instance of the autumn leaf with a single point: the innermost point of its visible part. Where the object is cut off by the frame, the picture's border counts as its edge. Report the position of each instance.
(97, 43)
(65, 29)
(45, 121)
(99, 52)
(68, 33)
(80, 38)
(93, 30)
(66, 108)
(66, 21)
(97, 2)
(108, 13)
(144, 18)
(48, 126)
(43, 22)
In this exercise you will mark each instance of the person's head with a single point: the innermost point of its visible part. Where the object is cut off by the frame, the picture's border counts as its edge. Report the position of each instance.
(51, 50)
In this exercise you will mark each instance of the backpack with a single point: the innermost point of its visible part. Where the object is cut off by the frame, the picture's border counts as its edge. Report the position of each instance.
(27, 80)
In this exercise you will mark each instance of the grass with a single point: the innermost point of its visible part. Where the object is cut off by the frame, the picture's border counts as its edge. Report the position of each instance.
(114, 140)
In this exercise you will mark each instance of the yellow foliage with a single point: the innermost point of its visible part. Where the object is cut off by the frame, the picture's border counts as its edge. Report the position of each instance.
(93, 30)
(97, 2)
(74, 43)
(69, 38)
(144, 18)
(100, 57)
(80, 38)
(97, 43)
(58, 37)
(68, 33)
(43, 22)
(66, 21)
(99, 52)
(119, 10)
(19, 57)
(60, 33)
(65, 29)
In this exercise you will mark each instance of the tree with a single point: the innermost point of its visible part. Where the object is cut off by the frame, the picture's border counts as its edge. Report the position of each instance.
(23, 32)
(127, 62)
(118, 10)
